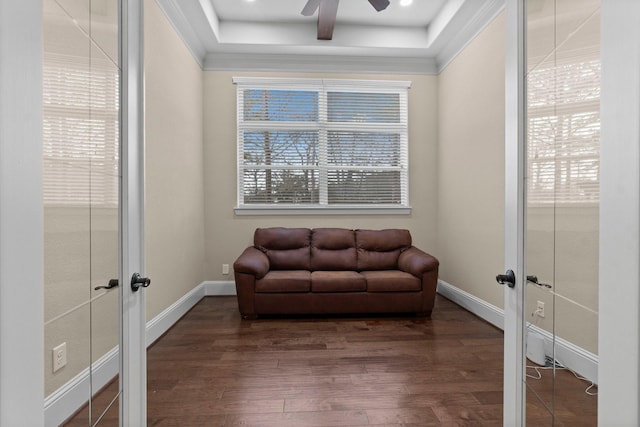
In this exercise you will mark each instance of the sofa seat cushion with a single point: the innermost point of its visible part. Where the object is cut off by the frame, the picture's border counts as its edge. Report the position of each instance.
(337, 281)
(285, 281)
(391, 281)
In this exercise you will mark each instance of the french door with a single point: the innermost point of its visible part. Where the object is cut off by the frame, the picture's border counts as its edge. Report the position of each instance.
(93, 176)
(552, 184)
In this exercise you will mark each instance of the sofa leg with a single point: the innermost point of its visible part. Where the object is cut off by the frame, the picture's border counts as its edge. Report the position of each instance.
(249, 316)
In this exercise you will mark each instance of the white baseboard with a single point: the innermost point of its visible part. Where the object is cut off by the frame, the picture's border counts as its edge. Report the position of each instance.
(477, 306)
(576, 358)
(570, 355)
(219, 288)
(169, 316)
(62, 403)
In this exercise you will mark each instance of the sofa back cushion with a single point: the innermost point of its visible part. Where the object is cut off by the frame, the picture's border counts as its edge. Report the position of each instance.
(333, 249)
(286, 248)
(380, 249)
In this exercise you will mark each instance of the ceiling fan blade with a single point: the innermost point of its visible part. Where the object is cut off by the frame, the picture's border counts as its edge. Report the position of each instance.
(327, 19)
(311, 7)
(379, 4)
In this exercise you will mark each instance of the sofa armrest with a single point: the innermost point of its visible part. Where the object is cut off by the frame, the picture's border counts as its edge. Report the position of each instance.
(417, 262)
(252, 261)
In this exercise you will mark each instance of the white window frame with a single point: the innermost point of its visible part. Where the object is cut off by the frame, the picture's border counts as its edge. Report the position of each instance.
(323, 86)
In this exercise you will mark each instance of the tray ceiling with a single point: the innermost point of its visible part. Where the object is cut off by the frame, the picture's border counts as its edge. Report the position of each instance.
(421, 37)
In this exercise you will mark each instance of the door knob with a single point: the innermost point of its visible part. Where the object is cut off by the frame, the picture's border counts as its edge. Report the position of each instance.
(138, 282)
(509, 278)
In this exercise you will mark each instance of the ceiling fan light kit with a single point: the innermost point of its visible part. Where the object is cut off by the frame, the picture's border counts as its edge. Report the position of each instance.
(327, 12)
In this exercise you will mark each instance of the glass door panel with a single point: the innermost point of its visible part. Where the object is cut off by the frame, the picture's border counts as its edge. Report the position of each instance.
(562, 180)
(66, 200)
(539, 208)
(105, 184)
(81, 184)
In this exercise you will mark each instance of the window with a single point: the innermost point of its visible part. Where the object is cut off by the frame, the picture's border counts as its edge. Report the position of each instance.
(322, 144)
(563, 140)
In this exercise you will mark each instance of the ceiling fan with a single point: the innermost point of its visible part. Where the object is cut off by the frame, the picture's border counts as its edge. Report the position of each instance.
(327, 11)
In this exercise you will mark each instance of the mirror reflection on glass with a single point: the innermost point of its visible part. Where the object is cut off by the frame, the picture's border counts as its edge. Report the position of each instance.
(80, 192)
(562, 185)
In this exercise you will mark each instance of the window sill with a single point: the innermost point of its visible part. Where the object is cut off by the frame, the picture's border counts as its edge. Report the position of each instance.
(321, 210)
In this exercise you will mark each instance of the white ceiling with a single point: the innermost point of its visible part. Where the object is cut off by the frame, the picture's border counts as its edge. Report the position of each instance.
(272, 34)
(419, 14)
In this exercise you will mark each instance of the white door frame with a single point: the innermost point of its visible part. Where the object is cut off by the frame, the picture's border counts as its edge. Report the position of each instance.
(514, 323)
(133, 369)
(21, 215)
(619, 270)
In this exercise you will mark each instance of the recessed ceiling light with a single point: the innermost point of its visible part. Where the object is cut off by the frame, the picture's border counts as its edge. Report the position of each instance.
(405, 2)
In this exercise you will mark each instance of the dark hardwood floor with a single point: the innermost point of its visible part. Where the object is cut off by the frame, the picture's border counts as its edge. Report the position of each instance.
(215, 369)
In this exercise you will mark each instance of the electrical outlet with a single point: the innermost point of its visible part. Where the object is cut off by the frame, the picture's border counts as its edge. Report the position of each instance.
(540, 309)
(225, 269)
(59, 354)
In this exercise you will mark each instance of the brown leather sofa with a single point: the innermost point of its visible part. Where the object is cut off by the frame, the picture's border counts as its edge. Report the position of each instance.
(334, 270)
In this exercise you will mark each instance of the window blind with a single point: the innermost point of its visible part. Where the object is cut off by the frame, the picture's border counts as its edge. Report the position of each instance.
(563, 130)
(80, 131)
(322, 143)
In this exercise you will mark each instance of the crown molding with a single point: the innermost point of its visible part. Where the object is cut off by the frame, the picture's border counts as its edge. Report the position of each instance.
(467, 28)
(174, 13)
(318, 63)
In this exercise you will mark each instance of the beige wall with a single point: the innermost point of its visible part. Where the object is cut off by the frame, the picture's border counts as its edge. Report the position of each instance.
(227, 235)
(562, 250)
(471, 166)
(174, 202)
(80, 253)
